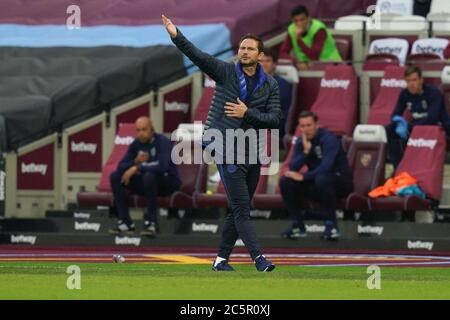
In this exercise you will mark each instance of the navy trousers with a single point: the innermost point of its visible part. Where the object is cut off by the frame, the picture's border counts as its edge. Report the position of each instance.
(149, 185)
(326, 189)
(240, 183)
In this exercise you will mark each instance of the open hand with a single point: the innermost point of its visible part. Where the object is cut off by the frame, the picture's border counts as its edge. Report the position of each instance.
(126, 177)
(236, 110)
(170, 27)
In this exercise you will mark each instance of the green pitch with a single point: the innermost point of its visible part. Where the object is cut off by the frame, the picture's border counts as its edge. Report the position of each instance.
(158, 281)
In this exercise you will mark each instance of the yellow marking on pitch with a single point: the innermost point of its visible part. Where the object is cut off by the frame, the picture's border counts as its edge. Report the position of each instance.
(178, 259)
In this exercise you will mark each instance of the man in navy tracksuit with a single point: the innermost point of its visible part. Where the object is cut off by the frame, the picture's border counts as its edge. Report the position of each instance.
(328, 178)
(147, 170)
(245, 98)
(425, 104)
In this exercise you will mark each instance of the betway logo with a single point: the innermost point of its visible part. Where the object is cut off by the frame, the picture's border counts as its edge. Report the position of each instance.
(420, 245)
(34, 168)
(370, 230)
(392, 50)
(127, 241)
(393, 83)
(81, 215)
(2, 185)
(203, 227)
(126, 141)
(83, 147)
(176, 106)
(260, 214)
(314, 228)
(86, 226)
(335, 83)
(23, 239)
(422, 143)
(430, 49)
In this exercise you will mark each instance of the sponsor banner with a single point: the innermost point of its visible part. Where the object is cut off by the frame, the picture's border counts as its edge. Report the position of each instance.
(205, 227)
(2, 186)
(314, 228)
(23, 239)
(370, 230)
(35, 170)
(81, 215)
(85, 150)
(260, 214)
(87, 226)
(420, 245)
(127, 241)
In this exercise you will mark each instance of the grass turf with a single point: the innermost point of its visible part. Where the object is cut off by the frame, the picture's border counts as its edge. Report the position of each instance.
(28, 280)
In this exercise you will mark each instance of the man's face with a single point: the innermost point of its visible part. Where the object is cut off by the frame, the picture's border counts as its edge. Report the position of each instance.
(268, 64)
(302, 21)
(248, 53)
(309, 127)
(144, 130)
(414, 83)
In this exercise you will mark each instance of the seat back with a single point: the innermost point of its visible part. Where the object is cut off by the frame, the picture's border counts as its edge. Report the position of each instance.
(424, 159)
(337, 102)
(380, 61)
(430, 45)
(124, 137)
(396, 46)
(390, 87)
(343, 47)
(201, 111)
(367, 157)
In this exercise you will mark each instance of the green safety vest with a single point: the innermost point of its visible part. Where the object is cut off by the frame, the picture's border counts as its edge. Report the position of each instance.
(329, 50)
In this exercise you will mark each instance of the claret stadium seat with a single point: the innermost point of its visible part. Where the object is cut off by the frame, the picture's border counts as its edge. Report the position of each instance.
(201, 112)
(390, 87)
(337, 102)
(424, 160)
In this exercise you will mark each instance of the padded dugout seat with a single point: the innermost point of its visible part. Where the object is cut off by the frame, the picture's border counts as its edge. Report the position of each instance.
(424, 160)
(391, 85)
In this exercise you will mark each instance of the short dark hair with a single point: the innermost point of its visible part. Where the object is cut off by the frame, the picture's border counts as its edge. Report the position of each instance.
(270, 52)
(411, 70)
(253, 37)
(308, 114)
(299, 10)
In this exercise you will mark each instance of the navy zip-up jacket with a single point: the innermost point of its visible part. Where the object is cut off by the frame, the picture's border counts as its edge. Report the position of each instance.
(263, 103)
(427, 108)
(326, 156)
(159, 149)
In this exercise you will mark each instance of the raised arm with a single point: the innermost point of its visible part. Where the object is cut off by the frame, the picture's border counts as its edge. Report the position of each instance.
(213, 67)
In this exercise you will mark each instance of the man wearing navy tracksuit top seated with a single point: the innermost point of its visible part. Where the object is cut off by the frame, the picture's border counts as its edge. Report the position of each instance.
(328, 178)
(245, 98)
(146, 170)
(425, 104)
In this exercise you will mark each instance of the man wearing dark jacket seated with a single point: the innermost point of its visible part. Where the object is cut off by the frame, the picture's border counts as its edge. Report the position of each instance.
(426, 107)
(245, 98)
(146, 170)
(328, 178)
